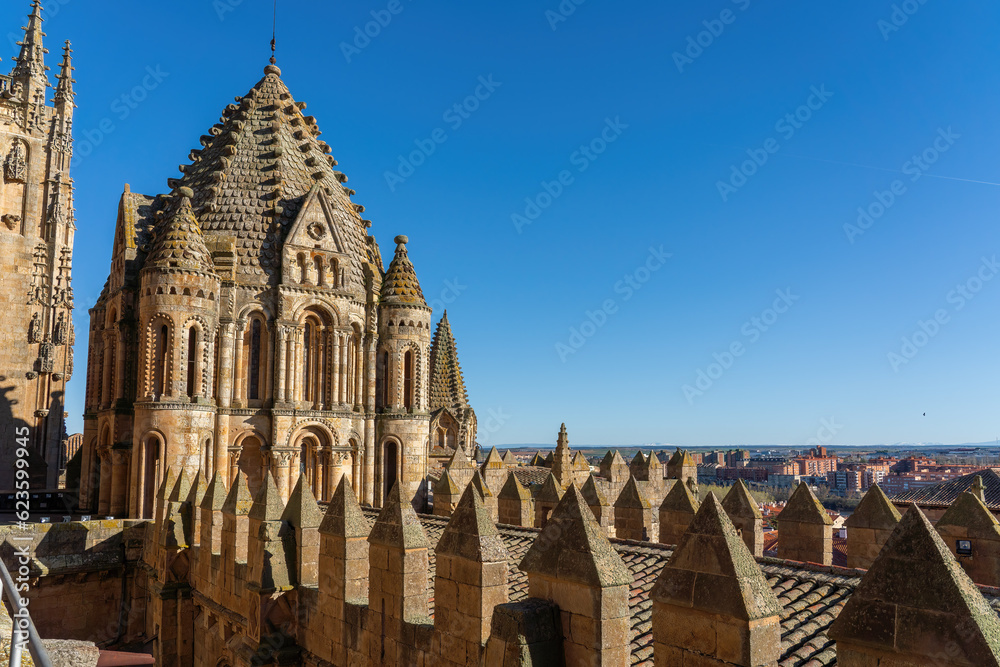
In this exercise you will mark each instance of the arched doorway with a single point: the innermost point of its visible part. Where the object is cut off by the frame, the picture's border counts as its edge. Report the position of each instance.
(390, 469)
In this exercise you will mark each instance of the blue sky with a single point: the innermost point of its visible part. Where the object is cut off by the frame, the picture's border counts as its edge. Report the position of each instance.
(633, 141)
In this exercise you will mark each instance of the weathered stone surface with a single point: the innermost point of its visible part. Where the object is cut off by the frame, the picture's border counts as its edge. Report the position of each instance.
(397, 525)
(343, 515)
(572, 547)
(915, 601)
(267, 504)
(302, 511)
(874, 511)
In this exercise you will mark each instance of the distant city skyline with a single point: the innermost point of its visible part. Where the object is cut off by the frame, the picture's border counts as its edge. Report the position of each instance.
(693, 224)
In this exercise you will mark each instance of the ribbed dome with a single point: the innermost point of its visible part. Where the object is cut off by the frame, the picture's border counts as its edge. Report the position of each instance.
(400, 285)
(251, 178)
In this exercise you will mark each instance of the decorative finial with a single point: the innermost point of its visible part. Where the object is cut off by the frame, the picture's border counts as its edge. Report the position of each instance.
(185, 193)
(402, 240)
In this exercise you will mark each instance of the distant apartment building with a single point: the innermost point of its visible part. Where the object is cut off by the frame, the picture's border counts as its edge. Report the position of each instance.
(747, 473)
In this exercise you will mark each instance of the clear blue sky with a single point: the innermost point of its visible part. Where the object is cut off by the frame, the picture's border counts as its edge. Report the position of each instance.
(881, 95)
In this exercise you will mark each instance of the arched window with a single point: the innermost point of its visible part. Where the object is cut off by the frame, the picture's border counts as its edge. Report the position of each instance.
(253, 376)
(192, 357)
(408, 383)
(382, 381)
(215, 366)
(320, 273)
(160, 366)
(303, 269)
(334, 273)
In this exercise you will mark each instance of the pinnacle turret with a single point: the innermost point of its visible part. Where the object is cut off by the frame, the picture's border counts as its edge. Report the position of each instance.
(400, 286)
(64, 89)
(447, 383)
(178, 242)
(31, 60)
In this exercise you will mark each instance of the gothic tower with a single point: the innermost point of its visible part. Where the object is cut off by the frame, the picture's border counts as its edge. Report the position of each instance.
(36, 253)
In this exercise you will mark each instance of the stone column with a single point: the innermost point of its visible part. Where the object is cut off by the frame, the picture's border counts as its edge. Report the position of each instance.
(369, 458)
(712, 606)
(280, 393)
(805, 530)
(239, 372)
(335, 369)
(573, 564)
(370, 373)
(359, 365)
(282, 469)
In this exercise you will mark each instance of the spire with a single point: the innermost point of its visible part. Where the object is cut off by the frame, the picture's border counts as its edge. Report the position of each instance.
(178, 242)
(400, 286)
(563, 441)
(447, 388)
(64, 89)
(31, 61)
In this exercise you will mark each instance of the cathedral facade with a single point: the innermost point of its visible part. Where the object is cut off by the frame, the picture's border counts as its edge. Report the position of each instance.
(36, 255)
(248, 325)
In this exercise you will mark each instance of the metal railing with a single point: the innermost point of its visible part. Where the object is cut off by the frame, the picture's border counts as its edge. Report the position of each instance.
(21, 624)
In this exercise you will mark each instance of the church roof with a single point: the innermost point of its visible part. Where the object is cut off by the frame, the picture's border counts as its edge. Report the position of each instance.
(400, 285)
(252, 176)
(447, 388)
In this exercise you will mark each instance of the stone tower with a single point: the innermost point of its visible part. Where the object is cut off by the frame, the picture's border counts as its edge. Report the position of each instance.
(453, 421)
(403, 357)
(36, 254)
(248, 327)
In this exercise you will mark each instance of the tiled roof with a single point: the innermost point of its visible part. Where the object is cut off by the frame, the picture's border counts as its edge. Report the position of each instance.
(810, 596)
(530, 475)
(945, 493)
(254, 172)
